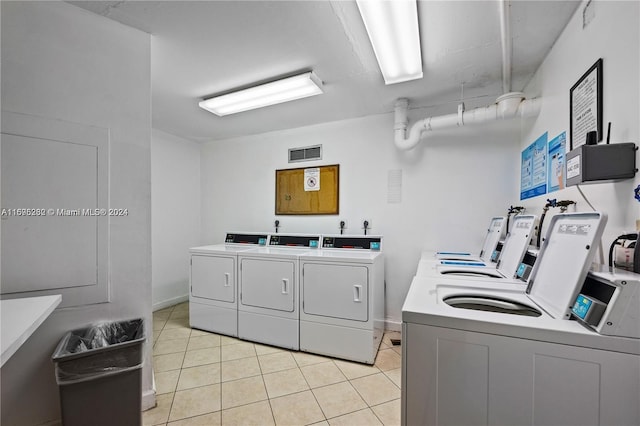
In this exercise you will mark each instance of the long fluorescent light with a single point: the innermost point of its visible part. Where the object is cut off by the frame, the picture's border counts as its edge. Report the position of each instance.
(392, 26)
(287, 89)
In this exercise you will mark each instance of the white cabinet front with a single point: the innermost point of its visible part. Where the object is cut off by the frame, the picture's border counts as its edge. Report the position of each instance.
(267, 284)
(455, 377)
(337, 291)
(213, 277)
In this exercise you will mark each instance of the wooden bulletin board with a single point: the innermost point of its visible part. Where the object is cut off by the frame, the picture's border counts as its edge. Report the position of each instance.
(308, 190)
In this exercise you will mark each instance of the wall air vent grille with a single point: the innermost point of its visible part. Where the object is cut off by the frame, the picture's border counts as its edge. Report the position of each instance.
(308, 153)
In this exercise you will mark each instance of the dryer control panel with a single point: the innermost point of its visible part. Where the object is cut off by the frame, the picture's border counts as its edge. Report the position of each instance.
(361, 243)
(258, 239)
(311, 241)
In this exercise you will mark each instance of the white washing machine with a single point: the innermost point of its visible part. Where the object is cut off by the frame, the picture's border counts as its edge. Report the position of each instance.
(511, 267)
(342, 298)
(478, 356)
(213, 290)
(269, 290)
(489, 246)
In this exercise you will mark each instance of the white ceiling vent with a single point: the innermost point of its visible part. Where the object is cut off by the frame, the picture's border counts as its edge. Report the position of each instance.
(305, 154)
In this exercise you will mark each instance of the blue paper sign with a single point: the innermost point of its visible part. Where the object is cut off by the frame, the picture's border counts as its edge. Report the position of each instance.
(556, 175)
(533, 169)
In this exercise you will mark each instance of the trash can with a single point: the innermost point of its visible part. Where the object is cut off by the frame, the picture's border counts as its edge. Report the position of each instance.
(99, 374)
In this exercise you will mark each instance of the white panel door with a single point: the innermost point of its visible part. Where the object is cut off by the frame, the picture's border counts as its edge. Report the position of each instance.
(454, 377)
(268, 284)
(337, 291)
(55, 209)
(213, 277)
(60, 176)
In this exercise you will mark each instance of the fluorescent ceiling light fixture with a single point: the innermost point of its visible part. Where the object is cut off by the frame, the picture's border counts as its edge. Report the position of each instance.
(288, 89)
(392, 26)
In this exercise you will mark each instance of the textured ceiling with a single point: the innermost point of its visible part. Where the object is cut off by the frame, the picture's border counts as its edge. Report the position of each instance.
(200, 48)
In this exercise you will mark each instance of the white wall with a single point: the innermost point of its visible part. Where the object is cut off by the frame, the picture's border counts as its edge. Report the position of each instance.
(61, 62)
(445, 194)
(452, 183)
(614, 36)
(175, 223)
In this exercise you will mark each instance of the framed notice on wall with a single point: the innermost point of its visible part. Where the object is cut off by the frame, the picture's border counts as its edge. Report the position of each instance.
(585, 106)
(307, 191)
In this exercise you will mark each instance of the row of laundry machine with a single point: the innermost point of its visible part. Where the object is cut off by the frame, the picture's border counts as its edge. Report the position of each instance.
(316, 293)
(523, 337)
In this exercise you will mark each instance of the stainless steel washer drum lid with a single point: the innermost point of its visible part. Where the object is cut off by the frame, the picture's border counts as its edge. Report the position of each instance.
(491, 304)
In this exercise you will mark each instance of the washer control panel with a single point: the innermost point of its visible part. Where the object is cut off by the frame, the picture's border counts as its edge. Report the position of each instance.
(609, 302)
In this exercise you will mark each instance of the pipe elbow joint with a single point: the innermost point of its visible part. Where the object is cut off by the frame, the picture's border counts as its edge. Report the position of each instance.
(411, 140)
(530, 107)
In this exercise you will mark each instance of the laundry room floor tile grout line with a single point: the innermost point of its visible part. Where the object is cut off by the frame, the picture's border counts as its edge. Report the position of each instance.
(257, 407)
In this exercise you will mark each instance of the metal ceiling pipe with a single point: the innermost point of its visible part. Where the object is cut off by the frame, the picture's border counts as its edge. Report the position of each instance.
(507, 106)
(505, 36)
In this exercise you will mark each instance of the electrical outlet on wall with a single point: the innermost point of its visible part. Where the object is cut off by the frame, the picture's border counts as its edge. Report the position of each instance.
(344, 224)
(369, 223)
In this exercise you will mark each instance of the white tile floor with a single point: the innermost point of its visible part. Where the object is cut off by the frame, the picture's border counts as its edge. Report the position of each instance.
(207, 379)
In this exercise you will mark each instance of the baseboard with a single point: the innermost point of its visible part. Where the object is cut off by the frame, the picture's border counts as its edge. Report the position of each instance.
(392, 325)
(149, 396)
(148, 399)
(170, 302)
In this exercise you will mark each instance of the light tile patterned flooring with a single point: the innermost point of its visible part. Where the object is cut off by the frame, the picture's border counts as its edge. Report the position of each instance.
(206, 379)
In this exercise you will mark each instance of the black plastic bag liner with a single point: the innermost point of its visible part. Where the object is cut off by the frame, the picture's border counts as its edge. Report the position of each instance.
(99, 350)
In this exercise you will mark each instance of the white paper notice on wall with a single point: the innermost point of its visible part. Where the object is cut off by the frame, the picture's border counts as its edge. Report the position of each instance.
(312, 179)
(573, 167)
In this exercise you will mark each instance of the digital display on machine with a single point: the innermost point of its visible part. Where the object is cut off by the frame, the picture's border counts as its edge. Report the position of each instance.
(495, 255)
(582, 306)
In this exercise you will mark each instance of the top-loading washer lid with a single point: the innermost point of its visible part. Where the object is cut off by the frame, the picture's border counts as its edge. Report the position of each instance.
(491, 240)
(564, 261)
(516, 245)
(514, 250)
(493, 237)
